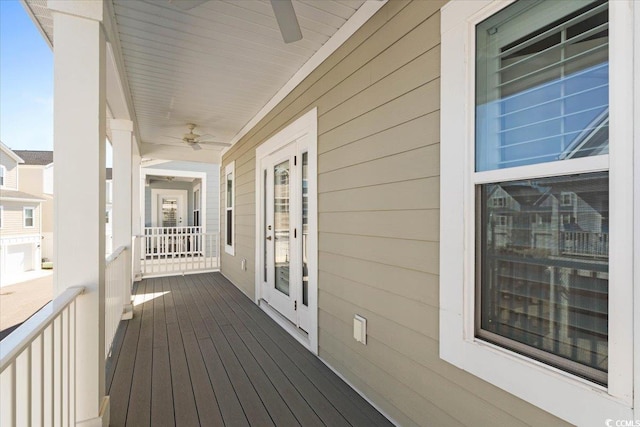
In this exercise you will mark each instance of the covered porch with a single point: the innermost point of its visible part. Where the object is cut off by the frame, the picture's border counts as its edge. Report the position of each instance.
(178, 348)
(198, 351)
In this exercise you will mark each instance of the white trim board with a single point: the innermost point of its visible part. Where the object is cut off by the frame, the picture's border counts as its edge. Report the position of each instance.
(357, 20)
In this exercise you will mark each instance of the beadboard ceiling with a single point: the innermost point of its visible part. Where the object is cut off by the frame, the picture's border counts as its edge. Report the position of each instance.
(216, 65)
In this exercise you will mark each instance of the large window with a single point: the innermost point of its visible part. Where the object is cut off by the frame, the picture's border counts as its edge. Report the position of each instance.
(536, 253)
(542, 95)
(229, 208)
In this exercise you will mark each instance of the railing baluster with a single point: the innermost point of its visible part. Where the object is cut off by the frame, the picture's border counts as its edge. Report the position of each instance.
(8, 393)
(57, 361)
(64, 418)
(52, 365)
(72, 361)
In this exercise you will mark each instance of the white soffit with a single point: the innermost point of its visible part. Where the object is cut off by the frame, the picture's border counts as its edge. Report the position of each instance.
(221, 65)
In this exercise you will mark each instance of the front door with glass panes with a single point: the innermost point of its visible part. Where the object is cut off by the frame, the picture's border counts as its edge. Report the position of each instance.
(285, 225)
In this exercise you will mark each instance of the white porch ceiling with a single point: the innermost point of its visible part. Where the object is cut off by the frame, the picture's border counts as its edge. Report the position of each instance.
(216, 65)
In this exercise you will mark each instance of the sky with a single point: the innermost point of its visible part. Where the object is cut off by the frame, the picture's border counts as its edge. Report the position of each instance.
(26, 81)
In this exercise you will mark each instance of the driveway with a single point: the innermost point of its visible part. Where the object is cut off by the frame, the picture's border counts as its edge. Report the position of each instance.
(21, 300)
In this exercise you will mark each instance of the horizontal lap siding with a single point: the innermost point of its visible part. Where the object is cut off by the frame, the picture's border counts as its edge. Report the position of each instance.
(13, 219)
(378, 100)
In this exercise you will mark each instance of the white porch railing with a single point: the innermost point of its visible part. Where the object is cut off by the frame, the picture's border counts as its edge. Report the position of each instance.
(37, 367)
(175, 250)
(116, 280)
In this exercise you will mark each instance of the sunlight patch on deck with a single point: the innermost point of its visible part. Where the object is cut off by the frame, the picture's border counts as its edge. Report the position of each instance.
(142, 298)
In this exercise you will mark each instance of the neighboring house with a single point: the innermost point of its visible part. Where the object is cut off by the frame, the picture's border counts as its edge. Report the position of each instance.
(20, 220)
(35, 176)
(421, 193)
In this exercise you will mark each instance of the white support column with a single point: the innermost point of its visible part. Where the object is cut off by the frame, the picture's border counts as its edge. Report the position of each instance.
(121, 141)
(136, 218)
(79, 186)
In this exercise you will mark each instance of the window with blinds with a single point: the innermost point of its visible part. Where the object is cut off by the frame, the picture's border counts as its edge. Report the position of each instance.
(542, 246)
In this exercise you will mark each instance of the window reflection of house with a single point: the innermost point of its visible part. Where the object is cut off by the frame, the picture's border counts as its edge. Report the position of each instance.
(547, 257)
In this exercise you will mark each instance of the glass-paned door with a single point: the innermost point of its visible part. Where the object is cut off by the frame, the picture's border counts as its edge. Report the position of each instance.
(282, 259)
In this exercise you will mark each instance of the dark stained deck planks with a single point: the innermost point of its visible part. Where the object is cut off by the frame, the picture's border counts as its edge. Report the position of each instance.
(199, 352)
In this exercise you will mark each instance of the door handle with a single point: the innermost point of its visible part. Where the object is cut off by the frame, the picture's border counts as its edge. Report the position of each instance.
(268, 237)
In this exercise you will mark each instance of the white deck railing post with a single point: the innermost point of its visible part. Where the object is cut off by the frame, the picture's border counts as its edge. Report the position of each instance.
(136, 209)
(79, 185)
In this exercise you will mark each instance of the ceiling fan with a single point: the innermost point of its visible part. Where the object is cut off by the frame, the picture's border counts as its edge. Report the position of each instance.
(194, 140)
(282, 9)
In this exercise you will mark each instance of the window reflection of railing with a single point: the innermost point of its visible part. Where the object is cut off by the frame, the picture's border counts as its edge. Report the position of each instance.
(282, 247)
(584, 243)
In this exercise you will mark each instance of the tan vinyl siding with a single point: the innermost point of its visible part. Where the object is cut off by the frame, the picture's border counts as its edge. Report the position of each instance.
(13, 219)
(11, 172)
(378, 98)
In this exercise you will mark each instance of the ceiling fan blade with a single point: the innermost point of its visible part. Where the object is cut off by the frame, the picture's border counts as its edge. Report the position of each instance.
(173, 137)
(287, 20)
(186, 4)
(218, 143)
(195, 146)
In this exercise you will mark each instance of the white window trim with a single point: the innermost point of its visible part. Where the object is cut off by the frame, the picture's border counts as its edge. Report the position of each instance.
(4, 176)
(197, 189)
(24, 217)
(230, 169)
(567, 396)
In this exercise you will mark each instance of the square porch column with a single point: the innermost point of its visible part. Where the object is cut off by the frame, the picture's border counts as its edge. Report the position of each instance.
(136, 212)
(122, 143)
(79, 188)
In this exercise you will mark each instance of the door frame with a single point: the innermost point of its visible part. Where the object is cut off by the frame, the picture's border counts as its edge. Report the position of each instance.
(157, 194)
(306, 127)
(145, 171)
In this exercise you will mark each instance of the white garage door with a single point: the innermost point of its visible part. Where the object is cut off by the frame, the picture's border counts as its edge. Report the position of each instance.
(19, 258)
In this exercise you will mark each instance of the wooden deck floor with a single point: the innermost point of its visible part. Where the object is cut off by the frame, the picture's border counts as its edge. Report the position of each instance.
(201, 353)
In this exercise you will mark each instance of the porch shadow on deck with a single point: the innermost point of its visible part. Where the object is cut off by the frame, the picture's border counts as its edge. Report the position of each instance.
(201, 353)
